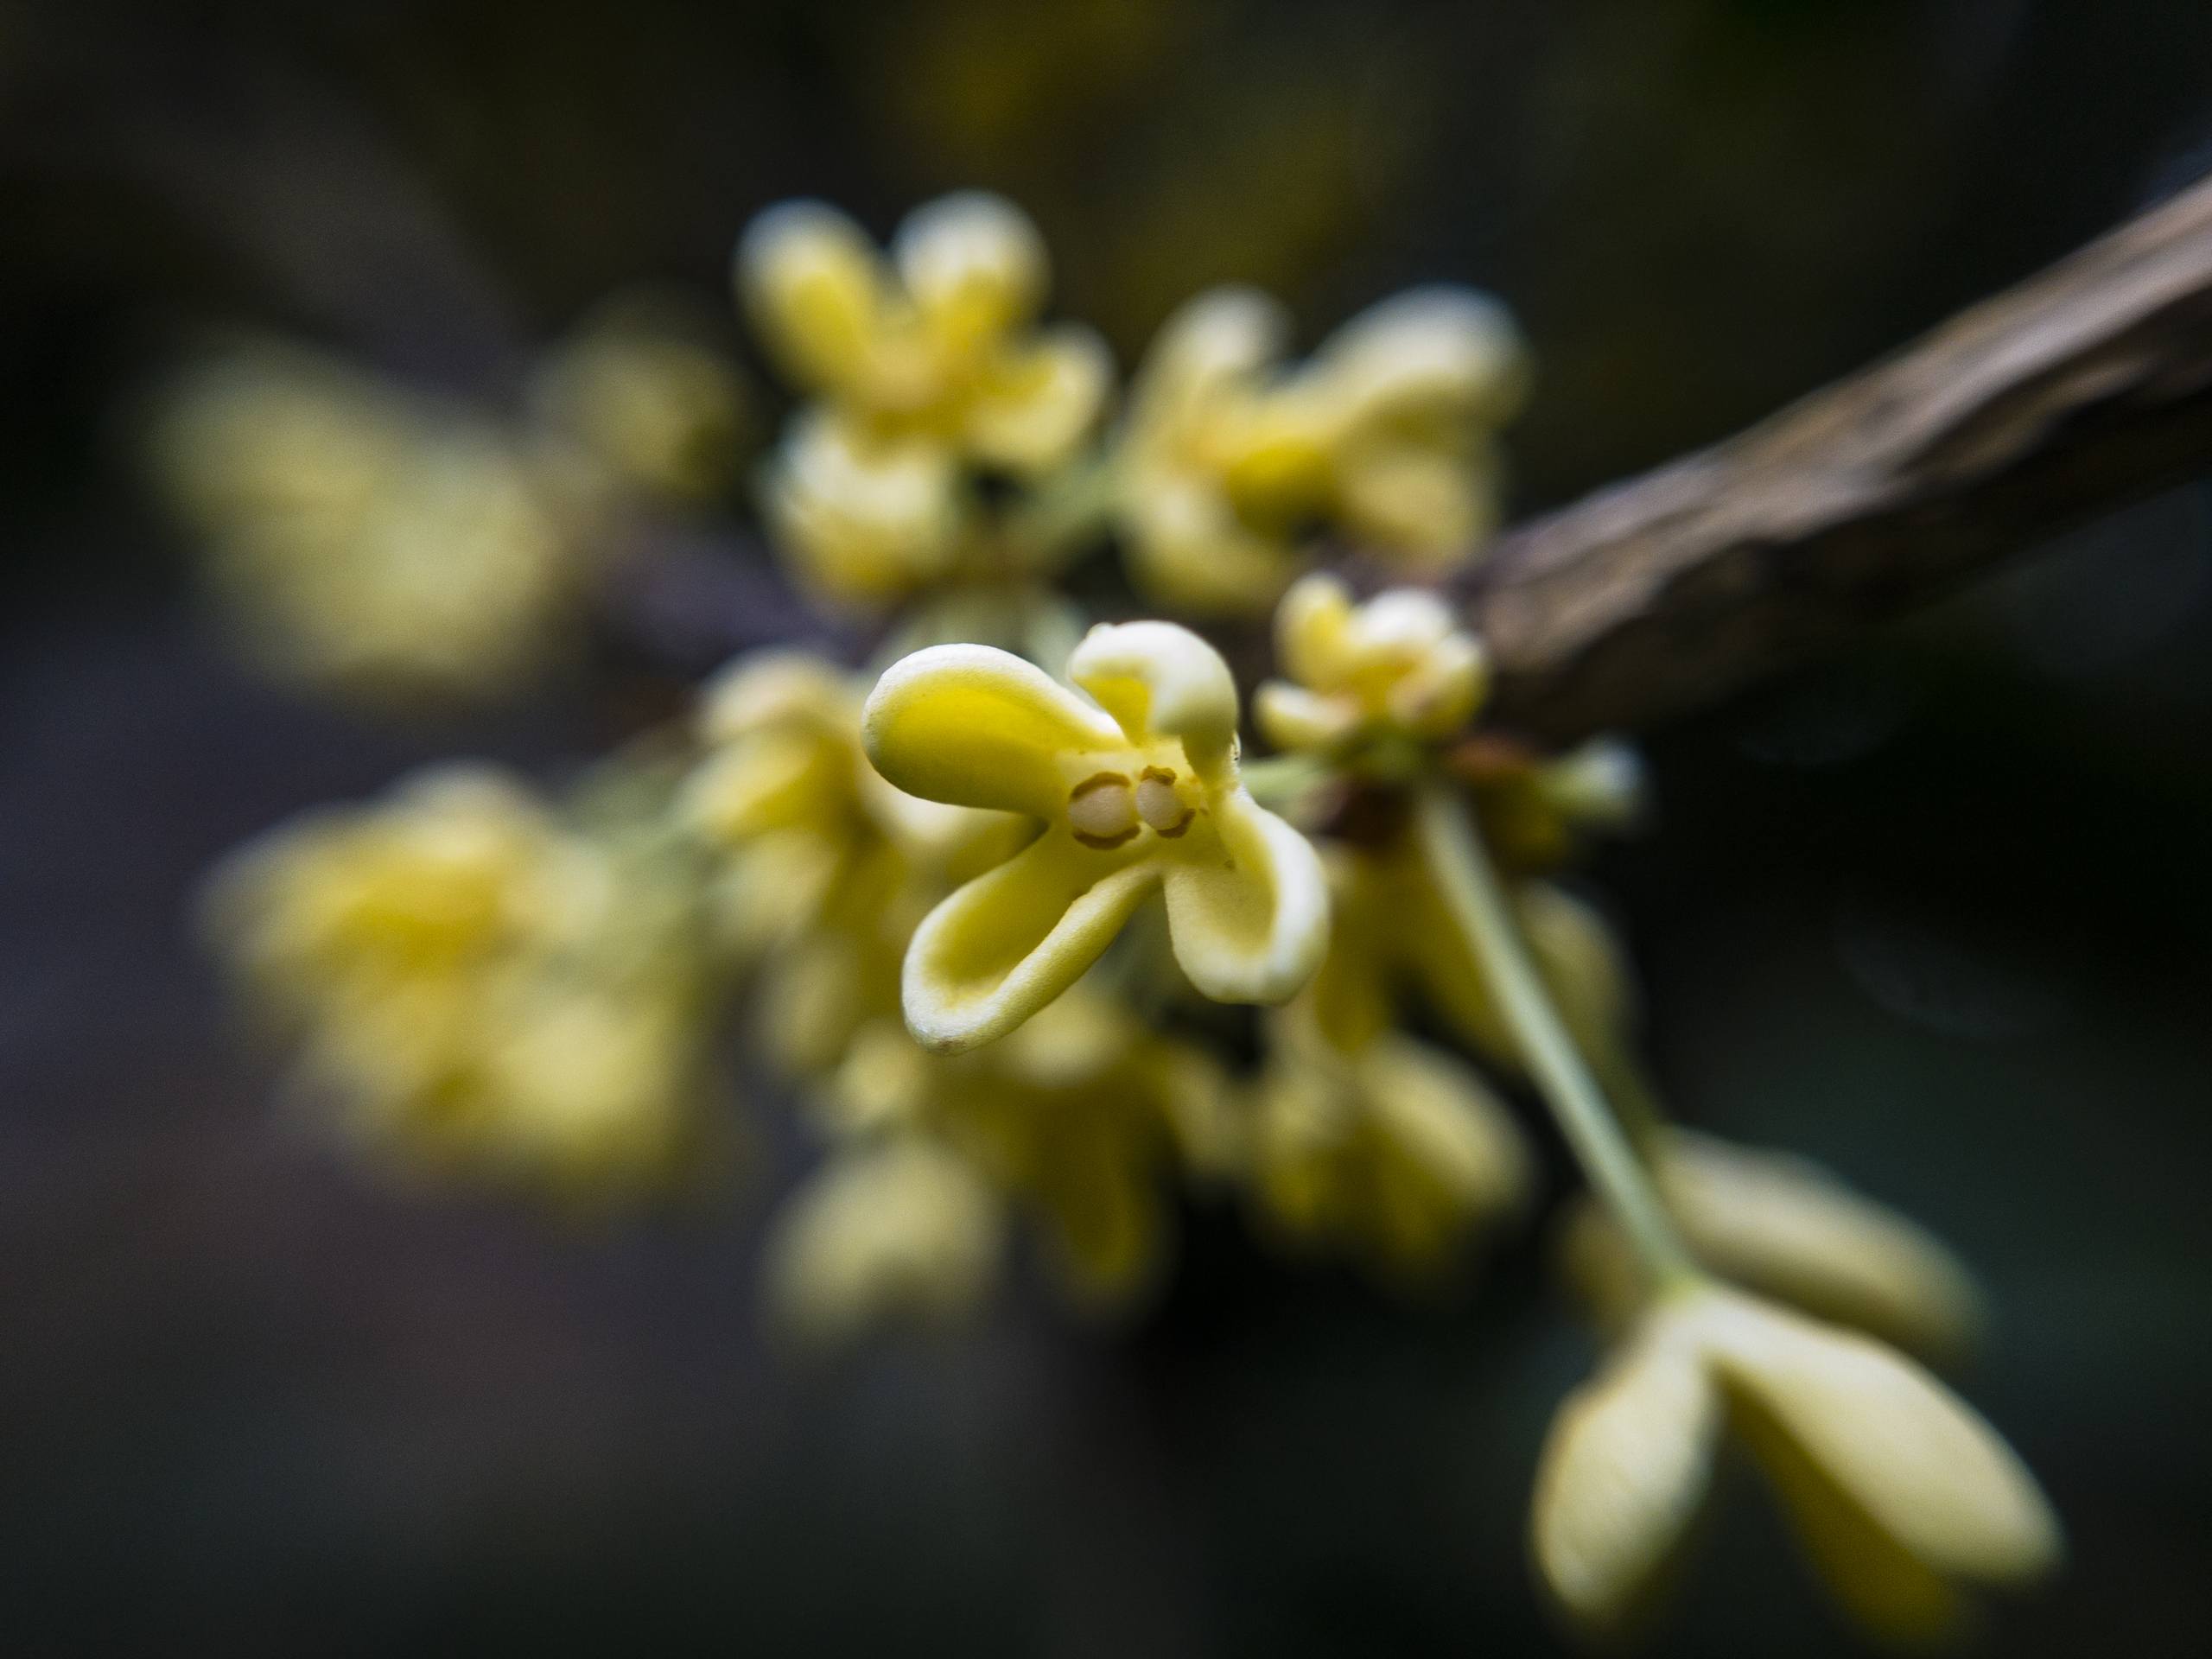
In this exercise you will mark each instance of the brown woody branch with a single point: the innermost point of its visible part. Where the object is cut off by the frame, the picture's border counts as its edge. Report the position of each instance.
(2085, 386)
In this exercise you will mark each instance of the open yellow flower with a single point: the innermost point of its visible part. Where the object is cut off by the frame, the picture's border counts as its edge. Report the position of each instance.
(1900, 1493)
(1399, 665)
(1136, 790)
(1226, 455)
(940, 344)
(1787, 1228)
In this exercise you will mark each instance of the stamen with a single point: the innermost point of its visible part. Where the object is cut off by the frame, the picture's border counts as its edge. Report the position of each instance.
(1101, 812)
(1161, 804)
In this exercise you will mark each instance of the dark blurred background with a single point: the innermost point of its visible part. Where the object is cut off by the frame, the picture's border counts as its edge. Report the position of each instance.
(1936, 913)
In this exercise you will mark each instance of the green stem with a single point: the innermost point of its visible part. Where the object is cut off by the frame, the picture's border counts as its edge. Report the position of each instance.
(1472, 893)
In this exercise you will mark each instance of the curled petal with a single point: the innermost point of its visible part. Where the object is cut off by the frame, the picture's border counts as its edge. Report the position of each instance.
(1039, 401)
(776, 688)
(973, 263)
(1291, 717)
(1919, 1463)
(1251, 924)
(1313, 632)
(815, 288)
(1223, 335)
(1627, 1465)
(1426, 357)
(1015, 938)
(977, 727)
(1188, 548)
(771, 781)
(1430, 511)
(1159, 679)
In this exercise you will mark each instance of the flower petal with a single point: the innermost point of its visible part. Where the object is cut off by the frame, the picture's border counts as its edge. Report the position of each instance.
(902, 1229)
(1313, 632)
(1625, 1468)
(1249, 924)
(1040, 401)
(816, 289)
(1424, 360)
(1924, 1467)
(973, 263)
(1291, 717)
(1216, 338)
(1786, 1226)
(1429, 512)
(978, 727)
(1015, 938)
(1157, 680)
(1189, 551)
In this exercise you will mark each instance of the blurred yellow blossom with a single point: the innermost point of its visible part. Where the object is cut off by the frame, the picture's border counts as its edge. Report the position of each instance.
(477, 987)
(1394, 1151)
(1397, 665)
(1902, 1496)
(640, 393)
(890, 1229)
(364, 538)
(1786, 1227)
(826, 869)
(1135, 790)
(1226, 455)
(939, 344)
(1082, 1115)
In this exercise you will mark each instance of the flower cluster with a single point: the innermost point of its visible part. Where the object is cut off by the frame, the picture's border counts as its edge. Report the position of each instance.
(1039, 950)
(481, 986)
(399, 547)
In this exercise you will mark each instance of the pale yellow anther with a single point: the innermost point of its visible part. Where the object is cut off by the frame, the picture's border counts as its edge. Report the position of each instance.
(1103, 809)
(1161, 804)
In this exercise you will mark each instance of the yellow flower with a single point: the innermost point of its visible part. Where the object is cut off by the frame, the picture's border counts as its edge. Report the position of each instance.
(1395, 1151)
(1385, 433)
(458, 868)
(940, 345)
(478, 989)
(1785, 1227)
(645, 400)
(360, 538)
(1081, 1114)
(865, 520)
(1136, 790)
(1398, 666)
(900, 1228)
(1900, 1493)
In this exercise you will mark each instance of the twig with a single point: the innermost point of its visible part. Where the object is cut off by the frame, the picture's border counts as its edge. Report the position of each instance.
(2083, 388)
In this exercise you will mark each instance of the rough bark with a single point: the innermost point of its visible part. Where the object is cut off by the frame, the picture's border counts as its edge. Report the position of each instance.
(2087, 385)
